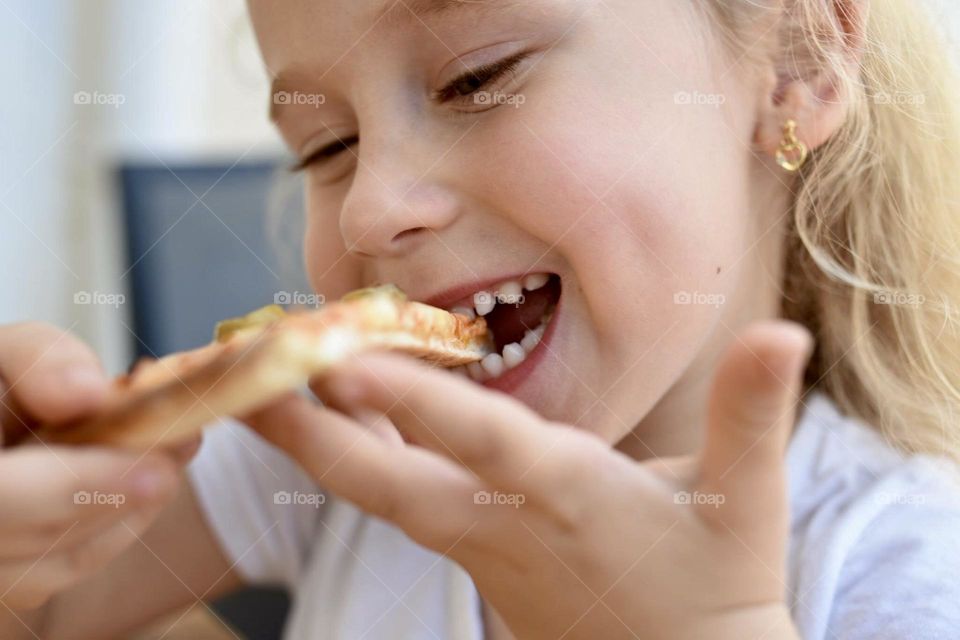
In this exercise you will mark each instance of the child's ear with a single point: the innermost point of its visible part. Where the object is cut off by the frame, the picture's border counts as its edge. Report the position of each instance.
(811, 97)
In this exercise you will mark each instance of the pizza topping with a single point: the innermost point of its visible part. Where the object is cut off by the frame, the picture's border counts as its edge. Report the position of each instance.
(258, 319)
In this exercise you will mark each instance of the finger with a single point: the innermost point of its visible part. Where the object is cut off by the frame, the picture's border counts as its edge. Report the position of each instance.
(750, 417)
(31, 543)
(31, 581)
(378, 423)
(45, 486)
(494, 436)
(399, 484)
(51, 374)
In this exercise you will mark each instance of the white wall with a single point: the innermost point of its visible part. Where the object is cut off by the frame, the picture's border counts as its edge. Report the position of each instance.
(191, 86)
(37, 260)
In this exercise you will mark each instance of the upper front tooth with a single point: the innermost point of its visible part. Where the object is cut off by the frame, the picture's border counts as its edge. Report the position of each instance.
(484, 302)
(464, 311)
(509, 292)
(534, 281)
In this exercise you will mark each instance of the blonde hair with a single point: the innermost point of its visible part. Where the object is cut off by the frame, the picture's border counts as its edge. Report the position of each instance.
(873, 247)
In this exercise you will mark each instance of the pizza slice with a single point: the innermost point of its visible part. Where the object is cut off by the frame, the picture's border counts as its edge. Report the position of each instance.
(258, 358)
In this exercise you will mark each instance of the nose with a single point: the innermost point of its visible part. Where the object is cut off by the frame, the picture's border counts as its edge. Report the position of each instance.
(389, 209)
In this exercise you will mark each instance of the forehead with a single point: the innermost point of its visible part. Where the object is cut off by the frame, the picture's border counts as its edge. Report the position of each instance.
(294, 29)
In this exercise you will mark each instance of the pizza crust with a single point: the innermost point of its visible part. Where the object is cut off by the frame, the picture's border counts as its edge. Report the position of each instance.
(261, 357)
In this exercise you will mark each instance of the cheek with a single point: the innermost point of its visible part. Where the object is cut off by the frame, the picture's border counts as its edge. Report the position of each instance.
(644, 200)
(646, 215)
(329, 269)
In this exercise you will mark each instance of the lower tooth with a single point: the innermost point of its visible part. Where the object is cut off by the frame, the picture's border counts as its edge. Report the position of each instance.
(530, 341)
(476, 371)
(513, 354)
(493, 364)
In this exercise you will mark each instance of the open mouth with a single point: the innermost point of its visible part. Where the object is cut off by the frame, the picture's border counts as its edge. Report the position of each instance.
(517, 313)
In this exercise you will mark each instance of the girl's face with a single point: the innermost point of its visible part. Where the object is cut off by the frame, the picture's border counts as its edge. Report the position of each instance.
(453, 146)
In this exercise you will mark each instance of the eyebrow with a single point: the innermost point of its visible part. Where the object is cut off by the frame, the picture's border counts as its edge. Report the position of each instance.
(396, 11)
(404, 10)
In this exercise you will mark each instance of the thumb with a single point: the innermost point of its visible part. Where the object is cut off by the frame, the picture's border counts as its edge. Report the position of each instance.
(750, 416)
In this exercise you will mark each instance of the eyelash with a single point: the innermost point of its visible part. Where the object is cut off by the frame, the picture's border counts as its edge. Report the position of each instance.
(478, 78)
(325, 153)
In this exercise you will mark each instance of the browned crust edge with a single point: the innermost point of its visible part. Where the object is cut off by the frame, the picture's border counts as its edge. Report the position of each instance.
(258, 367)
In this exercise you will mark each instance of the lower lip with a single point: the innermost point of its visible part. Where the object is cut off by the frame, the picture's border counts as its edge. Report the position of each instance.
(512, 379)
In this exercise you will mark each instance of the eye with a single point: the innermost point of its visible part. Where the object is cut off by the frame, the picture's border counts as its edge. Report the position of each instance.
(326, 153)
(472, 81)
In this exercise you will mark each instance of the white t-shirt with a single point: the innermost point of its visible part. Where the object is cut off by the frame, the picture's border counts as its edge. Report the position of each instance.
(874, 549)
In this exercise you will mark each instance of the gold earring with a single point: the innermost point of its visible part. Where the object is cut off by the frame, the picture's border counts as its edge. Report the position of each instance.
(791, 154)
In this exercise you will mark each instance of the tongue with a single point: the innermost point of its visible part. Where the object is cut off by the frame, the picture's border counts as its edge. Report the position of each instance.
(509, 322)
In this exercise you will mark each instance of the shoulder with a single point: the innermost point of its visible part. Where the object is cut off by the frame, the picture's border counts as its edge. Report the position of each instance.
(872, 551)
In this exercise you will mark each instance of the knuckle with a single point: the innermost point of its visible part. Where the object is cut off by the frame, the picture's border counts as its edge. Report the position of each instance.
(565, 468)
(487, 447)
(435, 533)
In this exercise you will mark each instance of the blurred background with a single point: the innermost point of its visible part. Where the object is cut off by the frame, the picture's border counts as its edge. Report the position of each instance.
(137, 170)
(135, 150)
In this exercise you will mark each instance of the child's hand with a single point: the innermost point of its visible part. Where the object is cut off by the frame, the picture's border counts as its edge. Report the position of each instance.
(568, 537)
(66, 511)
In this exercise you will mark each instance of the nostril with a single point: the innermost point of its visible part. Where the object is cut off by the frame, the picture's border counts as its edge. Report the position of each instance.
(407, 233)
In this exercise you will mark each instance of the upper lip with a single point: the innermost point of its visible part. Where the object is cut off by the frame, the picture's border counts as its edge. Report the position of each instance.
(462, 294)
